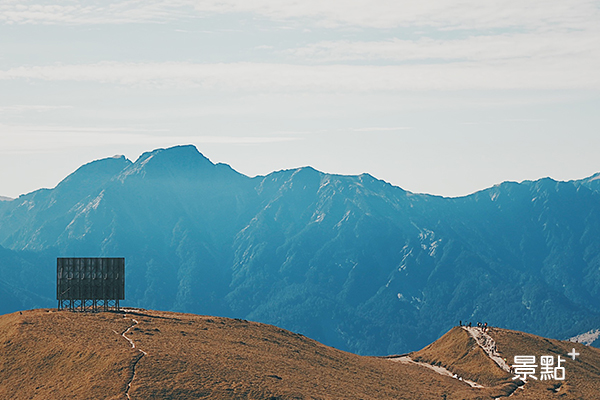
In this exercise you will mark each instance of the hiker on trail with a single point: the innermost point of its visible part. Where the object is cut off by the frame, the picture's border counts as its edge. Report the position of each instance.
(469, 324)
(485, 327)
(460, 323)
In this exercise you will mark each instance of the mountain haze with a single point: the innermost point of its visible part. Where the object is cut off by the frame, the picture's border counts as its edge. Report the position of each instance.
(351, 261)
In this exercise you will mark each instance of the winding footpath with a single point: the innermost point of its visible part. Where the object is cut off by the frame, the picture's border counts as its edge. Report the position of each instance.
(483, 340)
(440, 370)
(142, 354)
(488, 345)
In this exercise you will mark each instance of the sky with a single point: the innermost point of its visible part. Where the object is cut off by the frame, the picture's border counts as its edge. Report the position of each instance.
(446, 97)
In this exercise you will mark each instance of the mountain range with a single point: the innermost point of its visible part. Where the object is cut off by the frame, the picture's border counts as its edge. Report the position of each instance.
(351, 261)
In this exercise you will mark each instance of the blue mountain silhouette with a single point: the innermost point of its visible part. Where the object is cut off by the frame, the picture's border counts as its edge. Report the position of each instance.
(351, 261)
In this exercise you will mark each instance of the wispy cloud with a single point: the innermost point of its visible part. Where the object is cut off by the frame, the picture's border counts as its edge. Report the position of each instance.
(270, 77)
(264, 47)
(22, 139)
(383, 129)
(22, 108)
(73, 12)
(554, 45)
(51, 129)
(469, 14)
(544, 44)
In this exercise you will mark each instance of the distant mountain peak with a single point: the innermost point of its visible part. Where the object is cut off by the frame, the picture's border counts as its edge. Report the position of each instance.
(188, 151)
(182, 156)
(594, 177)
(178, 162)
(591, 182)
(98, 170)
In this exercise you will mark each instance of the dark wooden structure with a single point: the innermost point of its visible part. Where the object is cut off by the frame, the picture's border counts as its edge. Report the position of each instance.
(90, 284)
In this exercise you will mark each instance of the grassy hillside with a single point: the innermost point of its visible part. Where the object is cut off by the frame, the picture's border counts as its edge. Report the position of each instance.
(582, 374)
(45, 354)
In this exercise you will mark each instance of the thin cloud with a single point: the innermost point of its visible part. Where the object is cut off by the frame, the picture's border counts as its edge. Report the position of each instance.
(92, 12)
(264, 47)
(466, 14)
(22, 108)
(50, 129)
(556, 45)
(20, 139)
(382, 129)
(529, 120)
(270, 77)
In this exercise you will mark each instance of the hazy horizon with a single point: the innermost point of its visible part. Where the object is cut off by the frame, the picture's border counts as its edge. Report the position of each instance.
(435, 97)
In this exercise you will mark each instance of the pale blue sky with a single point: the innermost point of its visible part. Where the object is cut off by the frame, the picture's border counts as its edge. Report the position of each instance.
(444, 97)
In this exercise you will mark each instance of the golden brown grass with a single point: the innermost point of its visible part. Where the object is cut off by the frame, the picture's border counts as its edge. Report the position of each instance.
(46, 354)
(458, 352)
(54, 355)
(582, 374)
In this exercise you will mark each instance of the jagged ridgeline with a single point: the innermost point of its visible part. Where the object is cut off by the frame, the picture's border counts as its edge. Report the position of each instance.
(351, 261)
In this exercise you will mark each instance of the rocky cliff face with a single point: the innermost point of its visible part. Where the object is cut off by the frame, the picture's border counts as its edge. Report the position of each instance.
(351, 261)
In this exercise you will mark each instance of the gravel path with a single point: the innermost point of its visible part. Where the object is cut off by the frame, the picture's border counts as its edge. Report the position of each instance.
(143, 353)
(438, 369)
(488, 345)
